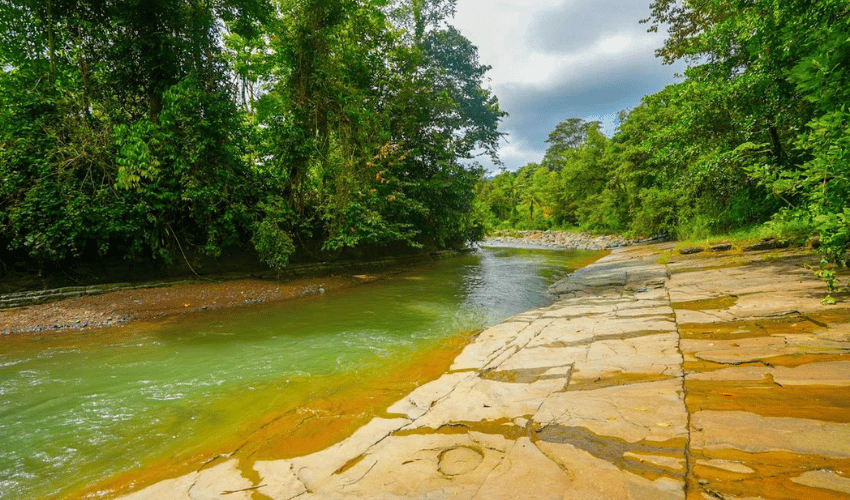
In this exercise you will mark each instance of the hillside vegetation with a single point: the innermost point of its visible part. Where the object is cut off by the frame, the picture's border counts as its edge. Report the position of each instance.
(758, 132)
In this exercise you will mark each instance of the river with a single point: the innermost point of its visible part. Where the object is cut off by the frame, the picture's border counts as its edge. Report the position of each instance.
(89, 413)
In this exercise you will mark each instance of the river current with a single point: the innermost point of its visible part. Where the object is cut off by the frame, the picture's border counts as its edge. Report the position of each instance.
(85, 414)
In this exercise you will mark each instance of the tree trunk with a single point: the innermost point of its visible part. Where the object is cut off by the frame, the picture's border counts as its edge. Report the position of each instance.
(777, 145)
(51, 40)
(84, 73)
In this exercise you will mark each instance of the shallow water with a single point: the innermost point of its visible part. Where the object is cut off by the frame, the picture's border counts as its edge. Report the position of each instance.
(88, 413)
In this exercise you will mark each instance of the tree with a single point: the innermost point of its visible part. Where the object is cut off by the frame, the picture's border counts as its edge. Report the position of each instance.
(299, 125)
(784, 60)
(533, 182)
(568, 135)
(102, 151)
(415, 17)
(368, 128)
(501, 194)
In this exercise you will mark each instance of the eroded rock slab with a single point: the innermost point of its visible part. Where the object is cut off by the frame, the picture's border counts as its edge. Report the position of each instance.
(419, 466)
(510, 479)
(825, 479)
(754, 433)
(208, 484)
(595, 478)
(834, 373)
(481, 400)
(653, 411)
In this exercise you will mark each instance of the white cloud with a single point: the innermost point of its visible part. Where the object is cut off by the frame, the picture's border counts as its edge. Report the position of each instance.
(558, 59)
(615, 44)
(498, 28)
(511, 153)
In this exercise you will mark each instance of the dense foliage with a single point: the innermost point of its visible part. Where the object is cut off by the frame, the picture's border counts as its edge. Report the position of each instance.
(758, 132)
(155, 127)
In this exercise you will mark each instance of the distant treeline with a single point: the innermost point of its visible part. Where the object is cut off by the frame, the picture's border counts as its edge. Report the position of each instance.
(758, 132)
(139, 128)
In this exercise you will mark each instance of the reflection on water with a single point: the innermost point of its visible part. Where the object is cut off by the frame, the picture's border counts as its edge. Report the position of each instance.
(508, 281)
(78, 408)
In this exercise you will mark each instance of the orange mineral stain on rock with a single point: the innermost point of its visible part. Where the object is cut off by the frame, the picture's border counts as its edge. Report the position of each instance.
(629, 456)
(765, 398)
(706, 304)
(795, 360)
(614, 379)
(522, 376)
(831, 315)
(734, 330)
(507, 428)
(692, 364)
(774, 475)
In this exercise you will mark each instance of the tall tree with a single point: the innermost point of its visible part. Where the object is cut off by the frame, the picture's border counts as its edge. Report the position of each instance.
(568, 135)
(120, 129)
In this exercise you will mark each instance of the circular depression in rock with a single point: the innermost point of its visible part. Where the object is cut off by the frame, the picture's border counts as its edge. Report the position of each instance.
(460, 460)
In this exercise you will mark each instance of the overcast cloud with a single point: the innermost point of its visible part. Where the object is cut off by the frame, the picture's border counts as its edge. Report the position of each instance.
(559, 59)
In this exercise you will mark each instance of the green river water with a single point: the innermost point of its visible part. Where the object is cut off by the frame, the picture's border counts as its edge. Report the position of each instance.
(85, 414)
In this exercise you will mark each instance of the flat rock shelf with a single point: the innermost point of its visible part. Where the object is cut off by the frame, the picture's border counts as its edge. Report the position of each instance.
(703, 377)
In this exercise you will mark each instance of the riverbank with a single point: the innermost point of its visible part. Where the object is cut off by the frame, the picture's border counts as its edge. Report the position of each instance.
(148, 303)
(272, 380)
(710, 375)
(109, 305)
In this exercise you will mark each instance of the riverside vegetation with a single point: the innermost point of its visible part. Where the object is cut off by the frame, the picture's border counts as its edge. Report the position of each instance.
(161, 128)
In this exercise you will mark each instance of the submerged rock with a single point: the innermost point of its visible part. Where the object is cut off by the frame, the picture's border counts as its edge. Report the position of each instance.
(767, 244)
(691, 250)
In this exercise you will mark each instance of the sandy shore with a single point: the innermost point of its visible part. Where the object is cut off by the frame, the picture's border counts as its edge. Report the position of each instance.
(123, 306)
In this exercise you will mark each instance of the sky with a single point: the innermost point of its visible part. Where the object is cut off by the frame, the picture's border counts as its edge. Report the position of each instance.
(559, 59)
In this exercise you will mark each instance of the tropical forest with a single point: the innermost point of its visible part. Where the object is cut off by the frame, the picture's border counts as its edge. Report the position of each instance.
(313, 129)
(755, 139)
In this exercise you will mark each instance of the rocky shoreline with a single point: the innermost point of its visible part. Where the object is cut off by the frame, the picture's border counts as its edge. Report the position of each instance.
(687, 377)
(559, 239)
